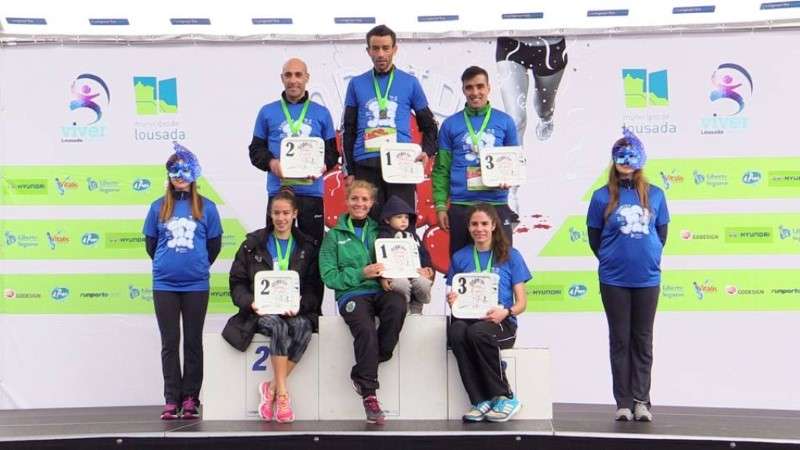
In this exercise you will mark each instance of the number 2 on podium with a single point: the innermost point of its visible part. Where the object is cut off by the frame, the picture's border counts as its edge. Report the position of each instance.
(260, 364)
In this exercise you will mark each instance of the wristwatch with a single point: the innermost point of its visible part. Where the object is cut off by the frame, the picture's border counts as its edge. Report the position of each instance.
(510, 312)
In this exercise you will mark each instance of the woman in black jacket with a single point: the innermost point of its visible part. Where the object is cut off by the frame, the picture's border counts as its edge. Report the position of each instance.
(279, 246)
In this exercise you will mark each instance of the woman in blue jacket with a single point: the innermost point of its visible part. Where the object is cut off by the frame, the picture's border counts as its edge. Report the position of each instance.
(627, 228)
(183, 235)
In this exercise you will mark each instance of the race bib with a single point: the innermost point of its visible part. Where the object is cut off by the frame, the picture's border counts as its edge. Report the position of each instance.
(374, 138)
(474, 180)
(476, 292)
(276, 291)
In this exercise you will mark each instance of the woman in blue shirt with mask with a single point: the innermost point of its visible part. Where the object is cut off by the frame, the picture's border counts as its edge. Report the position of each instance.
(627, 228)
(183, 236)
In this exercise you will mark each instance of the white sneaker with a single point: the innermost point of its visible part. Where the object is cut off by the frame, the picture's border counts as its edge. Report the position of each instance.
(623, 415)
(641, 413)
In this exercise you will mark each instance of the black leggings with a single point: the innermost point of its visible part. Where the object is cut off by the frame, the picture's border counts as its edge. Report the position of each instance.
(170, 307)
(630, 313)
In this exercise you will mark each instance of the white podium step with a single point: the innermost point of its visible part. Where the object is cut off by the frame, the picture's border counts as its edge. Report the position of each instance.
(421, 381)
(412, 382)
(528, 372)
(231, 379)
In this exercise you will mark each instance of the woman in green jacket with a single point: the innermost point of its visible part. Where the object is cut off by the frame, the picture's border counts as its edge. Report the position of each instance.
(347, 265)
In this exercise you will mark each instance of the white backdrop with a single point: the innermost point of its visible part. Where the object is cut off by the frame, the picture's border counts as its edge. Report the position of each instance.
(703, 358)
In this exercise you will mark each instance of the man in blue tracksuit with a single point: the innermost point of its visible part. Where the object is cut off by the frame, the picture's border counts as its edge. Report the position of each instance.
(294, 114)
(457, 174)
(378, 109)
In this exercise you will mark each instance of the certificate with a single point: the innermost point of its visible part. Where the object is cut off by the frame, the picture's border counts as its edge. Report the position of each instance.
(399, 165)
(503, 165)
(400, 257)
(477, 293)
(302, 157)
(276, 291)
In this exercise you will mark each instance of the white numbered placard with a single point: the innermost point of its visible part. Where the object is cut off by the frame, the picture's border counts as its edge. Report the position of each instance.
(276, 291)
(399, 164)
(302, 157)
(477, 292)
(400, 257)
(503, 165)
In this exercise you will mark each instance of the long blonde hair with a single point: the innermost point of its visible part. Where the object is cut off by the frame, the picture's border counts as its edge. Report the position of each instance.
(640, 183)
(169, 202)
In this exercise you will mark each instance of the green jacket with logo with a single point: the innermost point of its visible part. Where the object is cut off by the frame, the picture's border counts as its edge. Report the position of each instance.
(343, 256)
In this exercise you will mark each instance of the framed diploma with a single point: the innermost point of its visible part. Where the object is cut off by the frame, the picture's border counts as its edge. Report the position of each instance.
(399, 165)
(477, 292)
(302, 157)
(503, 165)
(400, 257)
(276, 291)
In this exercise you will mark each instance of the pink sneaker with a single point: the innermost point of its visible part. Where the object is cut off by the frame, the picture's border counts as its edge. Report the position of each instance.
(283, 413)
(267, 399)
(189, 409)
(170, 412)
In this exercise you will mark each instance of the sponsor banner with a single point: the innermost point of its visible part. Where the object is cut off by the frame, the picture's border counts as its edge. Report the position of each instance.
(90, 239)
(87, 185)
(681, 290)
(700, 234)
(95, 294)
(721, 178)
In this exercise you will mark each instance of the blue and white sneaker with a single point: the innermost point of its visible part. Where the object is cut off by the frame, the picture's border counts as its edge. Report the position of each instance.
(503, 409)
(477, 412)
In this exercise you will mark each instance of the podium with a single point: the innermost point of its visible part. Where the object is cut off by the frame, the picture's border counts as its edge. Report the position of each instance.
(420, 382)
(528, 373)
(412, 383)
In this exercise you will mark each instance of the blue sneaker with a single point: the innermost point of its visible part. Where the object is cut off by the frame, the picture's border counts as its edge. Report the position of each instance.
(503, 409)
(477, 412)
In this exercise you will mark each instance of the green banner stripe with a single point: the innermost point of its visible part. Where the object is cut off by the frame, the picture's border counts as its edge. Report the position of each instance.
(90, 239)
(681, 290)
(95, 294)
(721, 178)
(577, 291)
(87, 185)
(700, 234)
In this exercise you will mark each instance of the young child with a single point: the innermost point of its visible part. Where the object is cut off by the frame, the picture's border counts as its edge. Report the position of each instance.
(398, 220)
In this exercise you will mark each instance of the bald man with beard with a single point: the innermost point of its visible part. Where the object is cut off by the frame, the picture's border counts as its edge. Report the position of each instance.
(295, 115)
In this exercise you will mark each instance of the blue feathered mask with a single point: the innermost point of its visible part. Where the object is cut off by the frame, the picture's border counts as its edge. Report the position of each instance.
(629, 151)
(183, 164)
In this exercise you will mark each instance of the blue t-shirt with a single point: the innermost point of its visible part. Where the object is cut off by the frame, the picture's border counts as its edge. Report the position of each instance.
(406, 94)
(630, 250)
(273, 251)
(454, 137)
(271, 125)
(181, 263)
(511, 271)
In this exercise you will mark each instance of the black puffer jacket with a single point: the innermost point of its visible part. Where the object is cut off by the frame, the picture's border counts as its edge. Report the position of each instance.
(253, 257)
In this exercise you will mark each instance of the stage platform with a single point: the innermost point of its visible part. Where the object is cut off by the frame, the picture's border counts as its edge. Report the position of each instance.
(574, 426)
